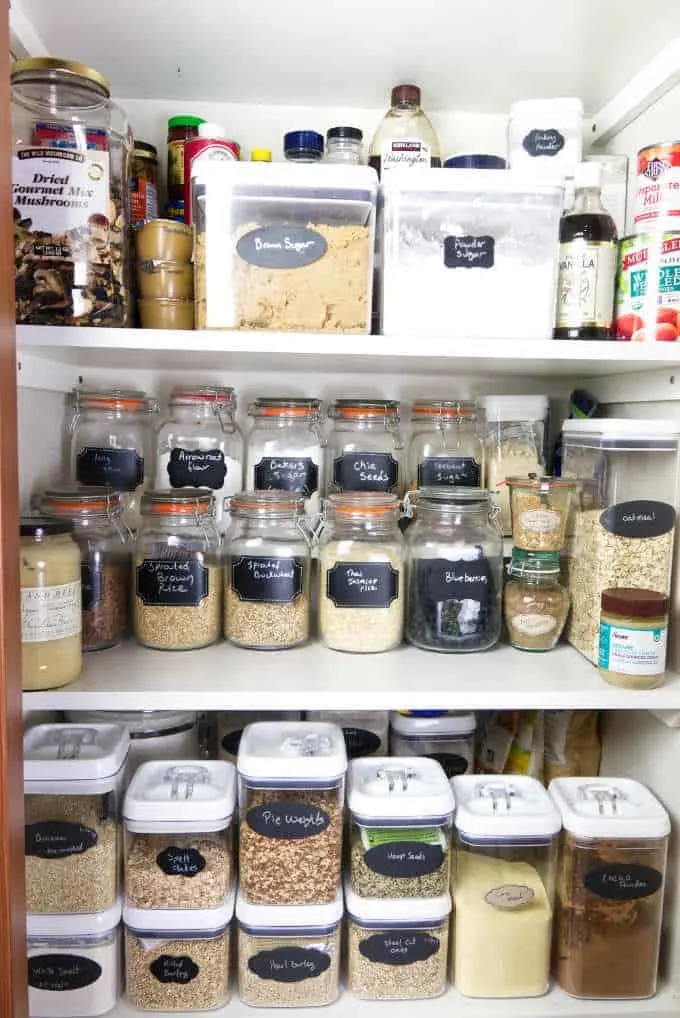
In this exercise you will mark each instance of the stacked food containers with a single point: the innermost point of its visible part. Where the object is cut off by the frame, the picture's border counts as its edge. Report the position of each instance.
(448, 738)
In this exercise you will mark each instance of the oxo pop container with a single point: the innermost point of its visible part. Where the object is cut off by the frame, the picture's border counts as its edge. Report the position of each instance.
(545, 137)
(291, 788)
(503, 886)
(479, 250)
(610, 887)
(365, 731)
(448, 738)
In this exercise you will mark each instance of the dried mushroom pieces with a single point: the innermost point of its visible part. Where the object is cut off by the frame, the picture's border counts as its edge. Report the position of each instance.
(285, 971)
(180, 974)
(397, 964)
(177, 871)
(408, 864)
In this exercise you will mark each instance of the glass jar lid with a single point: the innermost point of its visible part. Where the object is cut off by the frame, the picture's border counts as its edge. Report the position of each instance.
(25, 70)
(132, 401)
(446, 409)
(220, 397)
(81, 502)
(533, 564)
(349, 409)
(143, 150)
(451, 500)
(293, 407)
(267, 504)
(174, 502)
(362, 506)
(41, 527)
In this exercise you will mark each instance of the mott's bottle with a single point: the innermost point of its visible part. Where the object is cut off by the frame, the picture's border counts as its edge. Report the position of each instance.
(405, 137)
(588, 258)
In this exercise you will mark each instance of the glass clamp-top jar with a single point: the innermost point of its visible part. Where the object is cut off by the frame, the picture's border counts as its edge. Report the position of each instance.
(365, 447)
(540, 508)
(447, 445)
(361, 574)
(267, 572)
(177, 573)
(515, 445)
(535, 602)
(198, 445)
(285, 448)
(454, 567)
(70, 173)
(104, 543)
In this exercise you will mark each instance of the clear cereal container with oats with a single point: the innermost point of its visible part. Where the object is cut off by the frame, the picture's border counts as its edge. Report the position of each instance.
(291, 788)
(401, 813)
(289, 956)
(284, 247)
(72, 787)
(178, 834)
(621, 529)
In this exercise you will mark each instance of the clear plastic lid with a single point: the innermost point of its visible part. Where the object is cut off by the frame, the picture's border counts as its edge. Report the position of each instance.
(273, 920)
(276, 752)
(189, 923)
(456, 724)
(141, 724)
(181, 795)
(326, 182)
(622, 434)
(379, 912)
(57, 755)
(609, 808)
(59, 927)
(515, 408)
(482, 186)
(397, 789)
(503, 808)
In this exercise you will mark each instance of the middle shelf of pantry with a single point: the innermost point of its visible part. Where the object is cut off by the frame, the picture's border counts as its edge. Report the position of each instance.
(224, 677)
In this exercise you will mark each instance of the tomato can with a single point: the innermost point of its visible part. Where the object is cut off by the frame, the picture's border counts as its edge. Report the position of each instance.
(210, 146)
(648, 288)
(658, 182)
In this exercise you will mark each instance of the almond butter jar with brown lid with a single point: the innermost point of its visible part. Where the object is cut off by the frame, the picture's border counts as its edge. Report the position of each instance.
(633, 636)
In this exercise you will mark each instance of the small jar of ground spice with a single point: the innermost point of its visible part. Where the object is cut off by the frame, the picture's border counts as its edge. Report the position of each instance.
(534, 600)
(104, 543)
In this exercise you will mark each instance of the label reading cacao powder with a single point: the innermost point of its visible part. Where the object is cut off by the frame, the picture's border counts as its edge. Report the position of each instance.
(56, 839)
(618, 881)
(641, 518)
(362, 584)
(447, 579)
(399, 947)
(365, 471)
(91, 585)
(289, 964)
(287, 820)
(122, 469)
(197, 468)
(404, 859)
(509, 896)
(449, 471)
(543, 143)
(273, 580)
(360, 742)
(287, 473)
(172, 582)
(59, 972)
(469, 252)
(180, 862)
(281, 247)
(168, 968)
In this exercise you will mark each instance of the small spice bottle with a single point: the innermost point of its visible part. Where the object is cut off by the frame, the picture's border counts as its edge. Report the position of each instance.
(143, 184)
(535, 602)
(267, 571)
(540, 508)
(180, 131)
(303, 146)
(365, 446)
(447, 444)
(633, 636)
(285, 448)
(343, 145)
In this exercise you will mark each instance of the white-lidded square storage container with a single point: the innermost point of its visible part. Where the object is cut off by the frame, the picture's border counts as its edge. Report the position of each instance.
(291, 777)
(154, 734)
(284, 247)
(178, 834)
(72, 787)
(366, 731)
(74, 964)
(447, 737)
(545, 136)
(289, 956)
(469, 254)
(232, 724)
(401, 814)
(396, 947)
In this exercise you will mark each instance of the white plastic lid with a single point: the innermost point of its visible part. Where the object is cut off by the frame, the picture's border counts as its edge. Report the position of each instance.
(376, 911)
(465, 182)
(286, 751)
(265, 918)
(503, 807)
(208, 129)
(609, 808)
(58, 754)
(87, 924)
(181, 795)
(398, 788)
(139, 723)
(182, 922)
(588, 175)
(457, 723)
(319, 181)
(515, 408)
(569, 106)
(622, 427)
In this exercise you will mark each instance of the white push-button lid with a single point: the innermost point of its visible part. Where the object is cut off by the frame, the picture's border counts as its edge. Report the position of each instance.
(609, 808)
(181, 795)
(54, 754)
(503, 807)
(291, 751)
(399, 788)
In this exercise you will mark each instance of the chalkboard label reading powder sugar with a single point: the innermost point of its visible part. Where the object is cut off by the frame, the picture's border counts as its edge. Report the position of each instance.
(196, 468)
(281, 247)
(90, 585)
(449, 471)
(469, 252)
(274, 580)
(455, 579)
(56, 839)
(61, 972)
(617, 881)
(121, 469)
(289, 821)
(365, 471)
(543, 143)
(289, 964)
(287, 473)
(404, 859)
(169, 968)
(362, 584)
(180, 862)
(641, 518)
(172, 582)
(399, 947)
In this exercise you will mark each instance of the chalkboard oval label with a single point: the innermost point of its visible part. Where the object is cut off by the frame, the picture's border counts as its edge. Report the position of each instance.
(453, 764)
(365, 471)
(180, 862)
(171, 968)
(287, 820)
(281, 247)
(399, 947)
(172, 582)
(404, 859)
(455, 579)
(231, 742)
(299, 474)
(197, 468)
(449, 472)
(289, 964)
(55, 839)
(360, 742)
(510, 896)
(60, 972)
(618, 881)
(122, 469)
(543, 143)
(641, 518)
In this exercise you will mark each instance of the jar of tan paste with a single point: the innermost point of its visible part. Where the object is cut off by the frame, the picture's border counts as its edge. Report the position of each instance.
(633, 635)
(51, 652)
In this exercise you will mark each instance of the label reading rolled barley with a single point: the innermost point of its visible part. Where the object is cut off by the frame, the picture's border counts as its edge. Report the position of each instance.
(509, 896)
(50, 613)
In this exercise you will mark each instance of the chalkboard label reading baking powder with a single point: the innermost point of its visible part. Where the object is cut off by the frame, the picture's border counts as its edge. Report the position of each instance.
(399, 947)
(449, 471)
(55, 839)
(231, 742)
(362, 584)
(618, 881)
(166, 582)
(543, 143)
(365, 471)
(287, 473)
(180, 862)
(274, 580)
(287, 820)
(452, 764)
(404, 859)
(59, 972)
(121, 469)
(455, 579)
(289, 964)
(281, 247)
(360, 742)
(469, 252)
(169, 968)
(90, 585)
(197, 468)
(641, 518)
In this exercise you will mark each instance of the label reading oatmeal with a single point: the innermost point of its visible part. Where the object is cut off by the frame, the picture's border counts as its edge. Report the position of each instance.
(274, 580)
(287, 473)
(631, 651)
(50, 613)
(509, 896)
(449, 471)
(171, 582)
(287, 820)
(289, 964)
(585, 292)
(362, 584)
(404, 152)
(197, 468)
(641, 518)
(365, 471)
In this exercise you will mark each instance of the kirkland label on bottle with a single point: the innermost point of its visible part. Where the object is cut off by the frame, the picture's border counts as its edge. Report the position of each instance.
(404, 152)
(631, 651)
(50, 613)
(585, 291)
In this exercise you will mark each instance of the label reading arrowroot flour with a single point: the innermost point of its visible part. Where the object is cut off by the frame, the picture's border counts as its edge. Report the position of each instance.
(50, 613)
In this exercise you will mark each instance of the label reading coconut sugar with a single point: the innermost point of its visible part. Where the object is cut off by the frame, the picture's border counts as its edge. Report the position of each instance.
(540, 521)
(272, 580)
(548, 143)
(56, 839)
(287, 820)
(362, 584)
(169, 968)
(585, 290)
(404, 152)
(627, 650)
(641, 518)
(449, 471)
(122, 469)
(172, 583)
(287, 473)
(365, 471)
(533, 624)
(180, 862)
(91, 586)
(289, 964)
(443, 579)
(197, 468)
(281, 247)
(50, 613)
(404, 858)
(398, 947)
(360, 742)
(469, 252)
(509, 896)
(623, 881)
(59, 972)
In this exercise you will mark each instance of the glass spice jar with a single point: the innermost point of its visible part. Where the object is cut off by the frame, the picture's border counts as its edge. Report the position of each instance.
(343, 145)
(285, 448)
(104, 543)
(365, 447)
(143, 183)
(267, 571)
(177, 574)
(535, 602)
(447, 444)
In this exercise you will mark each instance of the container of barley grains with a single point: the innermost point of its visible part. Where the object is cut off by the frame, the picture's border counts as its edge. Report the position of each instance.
(291, 782)
(540, 509)
(72, 785)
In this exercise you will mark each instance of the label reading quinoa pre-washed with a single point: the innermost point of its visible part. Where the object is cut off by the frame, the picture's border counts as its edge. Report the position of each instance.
(632, 651)
(362, 584)
(272, 580)
(510, 896)
(617, 881)
(287, 473)
(289, 964)
(404, 152)
(585, 292)
(399, 947)
(449, 471)
(197, 468)
(60, 972)
(56, 839)
(50, 613)
(122, 469)
(171, 582)
(168, 968)
(180, 862)
(365, 471)
(287, 820)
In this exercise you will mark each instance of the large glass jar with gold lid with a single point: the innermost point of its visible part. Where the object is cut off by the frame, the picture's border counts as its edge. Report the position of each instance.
(70, 170)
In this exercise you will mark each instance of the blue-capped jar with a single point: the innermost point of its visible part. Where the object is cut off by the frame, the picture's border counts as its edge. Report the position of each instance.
(303, 146)
(475, 161)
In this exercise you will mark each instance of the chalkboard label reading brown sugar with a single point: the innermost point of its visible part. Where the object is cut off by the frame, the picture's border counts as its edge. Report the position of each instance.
(121, 469)
(197, 468)
(404, 859)
(287, 473)
(362, 584)
(172, 583)
(289, 964)
(455, 579)
(55, 839)
(281, 247)
(543, 143)
(469, 252)
(365, 471)
(91, 585)
(619, 881)
(60, 972)
(274, 580)
(180, 862)
(449, 471)
(169, 968)
(641, 518)
(399, 947)
(287, 820)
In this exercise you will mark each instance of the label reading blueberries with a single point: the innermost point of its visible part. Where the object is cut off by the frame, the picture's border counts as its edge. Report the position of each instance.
(180, 862)
(447, 580)
(281, 247)
(449, 471)
(121, 469)
(197, 468)
(365, 471)
(399, 947)
(469, 252)
(360, 742)
(287, 820)
(289, 964)
(274, 580)
(171, 582)
(543, 143)
(362, 584)
(169, 968)
(452, 764)
(287, 473)
(404, 859)
(91, 585)
(59, 972)
(55, 839)
(619, 881)
(641, 518)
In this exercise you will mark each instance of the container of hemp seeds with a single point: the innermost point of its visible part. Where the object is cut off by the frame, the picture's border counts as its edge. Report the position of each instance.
(72, 785)
(291, 785)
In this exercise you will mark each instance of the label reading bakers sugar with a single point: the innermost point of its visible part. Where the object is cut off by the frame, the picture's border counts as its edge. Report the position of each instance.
(404, 152)
(628, 650)
(50, 613)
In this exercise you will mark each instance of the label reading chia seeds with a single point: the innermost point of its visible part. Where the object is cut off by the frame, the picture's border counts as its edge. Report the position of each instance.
(365, 471)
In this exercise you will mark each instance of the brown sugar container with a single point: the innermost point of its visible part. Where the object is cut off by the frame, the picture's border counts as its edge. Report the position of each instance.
(610, 887)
